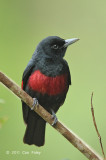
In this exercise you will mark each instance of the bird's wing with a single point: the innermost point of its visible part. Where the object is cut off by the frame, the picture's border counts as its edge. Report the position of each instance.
(68, 71)
(69, 77)
(26, 74)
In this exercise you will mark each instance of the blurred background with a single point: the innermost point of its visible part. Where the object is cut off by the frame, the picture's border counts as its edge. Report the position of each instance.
(23, 24)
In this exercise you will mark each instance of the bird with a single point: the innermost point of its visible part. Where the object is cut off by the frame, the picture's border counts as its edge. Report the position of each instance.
(46, 79)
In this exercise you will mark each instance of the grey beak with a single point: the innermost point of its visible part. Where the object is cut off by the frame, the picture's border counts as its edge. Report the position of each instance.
(70, 41)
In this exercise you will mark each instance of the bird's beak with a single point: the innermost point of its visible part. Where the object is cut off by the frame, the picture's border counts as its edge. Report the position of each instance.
(70, 41)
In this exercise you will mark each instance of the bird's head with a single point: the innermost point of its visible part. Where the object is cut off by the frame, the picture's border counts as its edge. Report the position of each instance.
(54, 47)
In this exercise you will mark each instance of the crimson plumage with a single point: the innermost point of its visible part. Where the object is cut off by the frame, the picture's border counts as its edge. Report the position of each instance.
(48, 85)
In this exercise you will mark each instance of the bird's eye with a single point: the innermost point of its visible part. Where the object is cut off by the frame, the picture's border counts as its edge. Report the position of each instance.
(55, 46)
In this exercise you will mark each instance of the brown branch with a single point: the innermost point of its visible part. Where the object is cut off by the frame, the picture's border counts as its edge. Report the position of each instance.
(94, 121)
(68, 134)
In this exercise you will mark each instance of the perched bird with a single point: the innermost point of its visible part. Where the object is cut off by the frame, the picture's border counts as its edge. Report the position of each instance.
(46, 79)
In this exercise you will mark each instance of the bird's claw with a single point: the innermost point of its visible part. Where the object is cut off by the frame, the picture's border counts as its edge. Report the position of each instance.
(35, 103)
(54, 117)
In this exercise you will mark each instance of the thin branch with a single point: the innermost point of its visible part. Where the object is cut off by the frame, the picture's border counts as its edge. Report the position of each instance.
(94, 121)
(68, 134)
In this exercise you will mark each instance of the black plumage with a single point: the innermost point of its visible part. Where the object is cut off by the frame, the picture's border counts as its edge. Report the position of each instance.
(46, 67)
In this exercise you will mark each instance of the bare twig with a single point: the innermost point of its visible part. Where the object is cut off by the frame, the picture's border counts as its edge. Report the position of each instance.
(68, 134)
(94, 121)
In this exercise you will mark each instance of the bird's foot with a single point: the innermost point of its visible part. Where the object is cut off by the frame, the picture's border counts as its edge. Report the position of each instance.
(35, 103)
(54, 117)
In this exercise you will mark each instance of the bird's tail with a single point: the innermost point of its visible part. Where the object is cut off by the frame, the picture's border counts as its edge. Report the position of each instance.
(35, 131)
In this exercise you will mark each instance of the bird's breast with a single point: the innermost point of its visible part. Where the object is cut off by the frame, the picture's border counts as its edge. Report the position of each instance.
(48, 85)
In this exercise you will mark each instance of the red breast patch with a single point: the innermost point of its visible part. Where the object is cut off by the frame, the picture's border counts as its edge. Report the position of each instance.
(48, 85)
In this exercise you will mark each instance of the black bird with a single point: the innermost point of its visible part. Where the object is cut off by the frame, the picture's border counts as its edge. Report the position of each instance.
(46, 78)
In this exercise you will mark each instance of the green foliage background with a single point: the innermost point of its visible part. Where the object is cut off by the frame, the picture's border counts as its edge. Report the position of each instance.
(23, 24)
